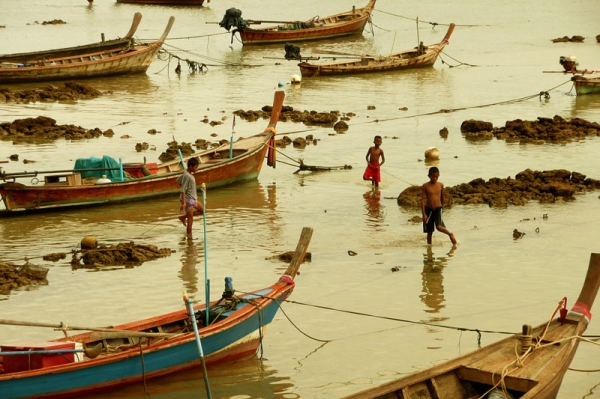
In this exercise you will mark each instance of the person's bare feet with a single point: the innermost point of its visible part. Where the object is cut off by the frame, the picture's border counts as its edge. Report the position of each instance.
(453, 238)
(182, 220)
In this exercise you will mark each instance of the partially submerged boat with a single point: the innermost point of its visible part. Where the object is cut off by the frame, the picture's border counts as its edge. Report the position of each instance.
(419, 57)
(530, 365)
(347, 23)
(135, 352)
(229, 163)
(104, 45)
(127, 59)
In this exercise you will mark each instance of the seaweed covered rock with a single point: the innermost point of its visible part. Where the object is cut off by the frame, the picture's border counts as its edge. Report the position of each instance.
(13, 277)
(543, 186)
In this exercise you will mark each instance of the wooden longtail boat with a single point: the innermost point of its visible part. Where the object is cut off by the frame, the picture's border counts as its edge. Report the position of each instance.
(26, 58)
(419, 57)
(145, 349)
(216, 169)
(166, 2)
(127, 59)
(343, 24)
(527, 366)
(585, 85)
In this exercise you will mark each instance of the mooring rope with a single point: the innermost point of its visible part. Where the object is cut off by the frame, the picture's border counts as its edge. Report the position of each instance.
(434, 24)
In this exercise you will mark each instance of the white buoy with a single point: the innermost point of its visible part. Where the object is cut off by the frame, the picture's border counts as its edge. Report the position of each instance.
(432, 154)
(296, 79)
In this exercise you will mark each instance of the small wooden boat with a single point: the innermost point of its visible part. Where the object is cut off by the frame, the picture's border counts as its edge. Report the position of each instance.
(104, 45)
(219, 166)
(526, 366)
(343, 24)
(419, 57)
(145, 349)
(584, 85)
(127, 59)
(166, 2)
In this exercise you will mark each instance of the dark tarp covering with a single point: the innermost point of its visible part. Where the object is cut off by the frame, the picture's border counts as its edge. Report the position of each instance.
(233, 17)
(95, 163)
(292, 52)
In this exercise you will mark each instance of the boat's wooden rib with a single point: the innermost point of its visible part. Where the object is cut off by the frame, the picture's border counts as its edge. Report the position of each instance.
(343, 24)
(536, 374)
(127, 59)
(419, 57)
(216, 169)
(156, 346)
(101, 46)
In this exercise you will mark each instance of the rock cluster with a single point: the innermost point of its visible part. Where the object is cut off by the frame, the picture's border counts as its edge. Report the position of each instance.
(13, 277)
(124, 254)
(288, 114)
(543, 130)
(43, 130)
(543, 186)
(70, 92)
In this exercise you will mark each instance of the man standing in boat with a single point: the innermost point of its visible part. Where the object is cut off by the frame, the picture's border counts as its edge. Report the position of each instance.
(189, 196)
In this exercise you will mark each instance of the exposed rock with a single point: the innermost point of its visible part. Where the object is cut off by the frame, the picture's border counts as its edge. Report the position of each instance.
(70, 92)
(543, 186)
(13, 277)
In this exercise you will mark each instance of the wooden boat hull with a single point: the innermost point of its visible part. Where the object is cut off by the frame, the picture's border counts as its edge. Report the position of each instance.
(120, 61)
(216, 170)
(17, 196)
(403, 60)
(235, 334)
(585, 85)
(102, 46)
(538, 375)
(344, 24)
(165, 2)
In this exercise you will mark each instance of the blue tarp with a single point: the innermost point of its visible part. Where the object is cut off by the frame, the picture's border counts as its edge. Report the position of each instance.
(95, 163)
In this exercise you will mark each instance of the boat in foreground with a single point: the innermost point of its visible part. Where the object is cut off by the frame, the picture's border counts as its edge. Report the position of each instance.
(584, 85)
(343, 24)
(126, 59)
(419, 57)
(530, 365)
(145, 349)
(219, 166)
(104, 45)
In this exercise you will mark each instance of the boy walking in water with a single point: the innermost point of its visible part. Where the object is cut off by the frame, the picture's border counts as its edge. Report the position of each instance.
(432, 201)
(189, 195)
(374, 154)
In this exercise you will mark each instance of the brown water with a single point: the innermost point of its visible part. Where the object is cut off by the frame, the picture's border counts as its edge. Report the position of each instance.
(490, 282)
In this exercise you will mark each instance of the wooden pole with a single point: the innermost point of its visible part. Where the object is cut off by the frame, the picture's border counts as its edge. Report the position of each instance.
(60, 326)
(188, 302)
(206, 279)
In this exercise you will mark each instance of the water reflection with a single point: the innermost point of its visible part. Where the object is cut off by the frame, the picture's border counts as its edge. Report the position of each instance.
(375, 211)
(250, 378)
(189, 259)
(433, 280)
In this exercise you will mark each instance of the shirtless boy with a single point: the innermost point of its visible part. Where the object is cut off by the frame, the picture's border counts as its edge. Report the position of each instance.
(432, 202)
(374, 154)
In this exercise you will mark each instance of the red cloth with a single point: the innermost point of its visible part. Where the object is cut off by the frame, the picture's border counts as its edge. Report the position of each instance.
(373, 172)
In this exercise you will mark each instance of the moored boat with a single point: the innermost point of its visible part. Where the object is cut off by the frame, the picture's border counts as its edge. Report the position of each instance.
(419, 57)
(127, 59)
(104, 45)
(584, 85)
(343, 24)
(530, 365)
(108, 357)
(219, 166)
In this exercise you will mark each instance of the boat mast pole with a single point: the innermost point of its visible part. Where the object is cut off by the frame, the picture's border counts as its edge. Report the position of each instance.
(206, 279)
(190, 307)
(418, 40)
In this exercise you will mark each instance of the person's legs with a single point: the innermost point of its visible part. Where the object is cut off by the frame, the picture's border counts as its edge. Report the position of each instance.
(445, 231)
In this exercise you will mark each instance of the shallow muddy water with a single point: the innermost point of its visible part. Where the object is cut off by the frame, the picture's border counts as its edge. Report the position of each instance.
(489, 282)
